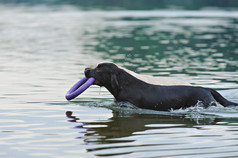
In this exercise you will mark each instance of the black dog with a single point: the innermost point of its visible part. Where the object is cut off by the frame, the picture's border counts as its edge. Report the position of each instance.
(125, 87)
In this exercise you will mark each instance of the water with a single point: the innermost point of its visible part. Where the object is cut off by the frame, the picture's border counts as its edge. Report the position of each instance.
(44, 51)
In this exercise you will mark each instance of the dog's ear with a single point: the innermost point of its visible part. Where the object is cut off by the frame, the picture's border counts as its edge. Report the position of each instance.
(114, 81)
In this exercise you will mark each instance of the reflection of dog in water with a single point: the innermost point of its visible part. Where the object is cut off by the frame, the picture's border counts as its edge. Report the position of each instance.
(118, 126)
(126, 87)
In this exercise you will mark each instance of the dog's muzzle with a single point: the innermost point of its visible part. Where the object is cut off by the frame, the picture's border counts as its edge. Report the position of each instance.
(88, 72)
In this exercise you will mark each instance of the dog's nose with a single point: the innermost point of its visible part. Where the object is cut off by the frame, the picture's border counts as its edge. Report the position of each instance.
(87, 71)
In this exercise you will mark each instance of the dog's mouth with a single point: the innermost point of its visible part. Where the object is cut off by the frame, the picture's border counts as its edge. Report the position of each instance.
(96, 82)
(89, 72)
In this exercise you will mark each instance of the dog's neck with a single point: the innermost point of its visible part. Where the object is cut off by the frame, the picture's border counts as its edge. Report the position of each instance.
(126, 83)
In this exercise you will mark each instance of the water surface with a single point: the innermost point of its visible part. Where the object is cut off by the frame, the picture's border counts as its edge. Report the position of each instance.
(44, 50)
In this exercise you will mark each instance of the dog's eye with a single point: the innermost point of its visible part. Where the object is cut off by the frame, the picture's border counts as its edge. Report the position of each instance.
(99, 66)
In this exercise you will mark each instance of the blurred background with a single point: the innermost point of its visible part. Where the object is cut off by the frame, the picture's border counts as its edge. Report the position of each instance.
(133, 5)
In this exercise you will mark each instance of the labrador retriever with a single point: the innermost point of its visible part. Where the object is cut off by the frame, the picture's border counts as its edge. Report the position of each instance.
(127, 88)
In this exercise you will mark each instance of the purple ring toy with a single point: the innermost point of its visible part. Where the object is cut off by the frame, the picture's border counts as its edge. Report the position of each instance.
(79, 87)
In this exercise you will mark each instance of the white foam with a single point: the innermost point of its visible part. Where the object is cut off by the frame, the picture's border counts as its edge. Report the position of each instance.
(197, 112)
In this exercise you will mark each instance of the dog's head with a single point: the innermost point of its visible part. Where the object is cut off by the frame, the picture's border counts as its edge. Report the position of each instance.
(105, 74)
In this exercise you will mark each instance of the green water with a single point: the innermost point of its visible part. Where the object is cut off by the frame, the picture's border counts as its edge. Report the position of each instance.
(44, 50)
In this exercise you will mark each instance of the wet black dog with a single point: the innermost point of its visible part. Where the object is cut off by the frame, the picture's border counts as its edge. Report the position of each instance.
(125, 87)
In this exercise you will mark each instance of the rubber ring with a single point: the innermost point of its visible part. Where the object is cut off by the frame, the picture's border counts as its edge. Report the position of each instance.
(79, 87)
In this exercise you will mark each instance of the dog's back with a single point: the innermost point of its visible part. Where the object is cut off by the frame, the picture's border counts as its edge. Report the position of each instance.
(156, 80)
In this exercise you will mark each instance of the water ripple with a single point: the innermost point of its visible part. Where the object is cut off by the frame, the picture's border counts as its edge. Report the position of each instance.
(44, 51)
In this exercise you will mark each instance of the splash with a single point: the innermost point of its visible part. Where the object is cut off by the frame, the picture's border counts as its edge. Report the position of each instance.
(197, 112)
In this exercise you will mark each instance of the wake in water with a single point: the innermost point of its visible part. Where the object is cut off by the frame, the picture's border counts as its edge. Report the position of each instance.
(197, 111)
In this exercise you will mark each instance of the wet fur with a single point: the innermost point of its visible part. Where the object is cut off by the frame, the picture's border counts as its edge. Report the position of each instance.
(127, 88)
